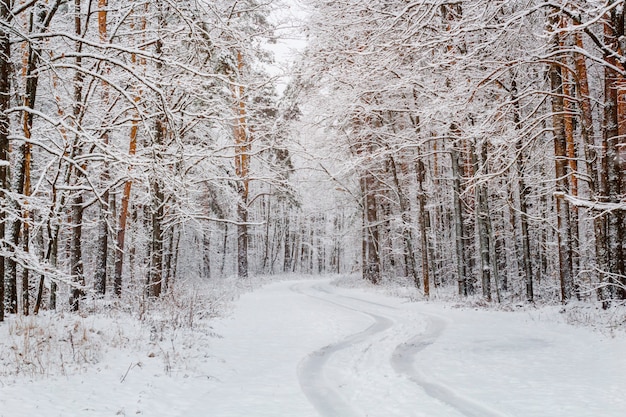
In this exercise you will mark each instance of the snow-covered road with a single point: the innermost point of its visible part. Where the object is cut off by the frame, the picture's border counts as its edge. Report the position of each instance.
(307, 348)
(354, 353)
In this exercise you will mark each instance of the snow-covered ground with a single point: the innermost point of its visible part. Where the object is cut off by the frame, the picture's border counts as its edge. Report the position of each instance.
(308, 348)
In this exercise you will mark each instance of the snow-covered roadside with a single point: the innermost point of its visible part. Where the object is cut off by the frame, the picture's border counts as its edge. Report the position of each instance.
(73, 364)
(307, 348)
(587, 314)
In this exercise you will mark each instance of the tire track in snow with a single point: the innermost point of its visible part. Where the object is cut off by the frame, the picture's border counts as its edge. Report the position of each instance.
(320, 393)
(329, 403)
(402, 361)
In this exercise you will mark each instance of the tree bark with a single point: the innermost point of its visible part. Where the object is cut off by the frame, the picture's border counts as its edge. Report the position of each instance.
(566, 278)
(407, 236)
(370, 250)
(5, 129)
(613, 146)
(593, 167)
(242, 166)
(157, 210)
(76, 262)
(459, 226)
(423, 222)
(484, 227)
(523, 198)
(100, 274)
(123, 217)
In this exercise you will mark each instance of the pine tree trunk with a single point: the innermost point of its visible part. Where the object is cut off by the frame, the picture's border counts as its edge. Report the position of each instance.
(242, 240)
(5, 129)
(482, 220)
(76, 263)
(592, 165)
(123, 217)
(100, 274)
(571, 153)
(370, 249)
(523, 198)
(206, 254)
(423, 222)
(242, 165)
(407, 236)
(157, 210)
(26, 225)
(566, 278)
(225, 250)
(168, 261)
(287, 247)
(459, 227)
(614, 145)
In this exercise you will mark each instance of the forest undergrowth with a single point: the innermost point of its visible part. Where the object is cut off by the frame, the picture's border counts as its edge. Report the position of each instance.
(171, 327)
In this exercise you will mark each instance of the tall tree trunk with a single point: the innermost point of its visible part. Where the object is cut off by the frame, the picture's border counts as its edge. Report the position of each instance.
(566, 278)
(523, 198)
(459, 226)
(5, 129)
(132, 150)
(407, 236)
(26, 221)
(206, 254)
(157, 215)
(592, 165)
(484, 226)
(287, 245)
(157, 209)
(423, 223)
(568, 128)
(76, 262)
(266, 206)
(155, 275)
(100, 274)
(225, 250)
(370, 250)
(31, 60)
(168, 258)
(242, 166)
(612, 145)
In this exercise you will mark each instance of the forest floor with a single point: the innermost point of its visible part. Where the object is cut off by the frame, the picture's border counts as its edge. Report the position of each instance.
(309, 348)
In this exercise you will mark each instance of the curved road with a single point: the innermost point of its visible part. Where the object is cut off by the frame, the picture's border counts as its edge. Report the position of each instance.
(308, 349)
(323, 393)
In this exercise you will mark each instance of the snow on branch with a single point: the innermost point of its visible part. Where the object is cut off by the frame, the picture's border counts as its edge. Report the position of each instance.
(591, 205)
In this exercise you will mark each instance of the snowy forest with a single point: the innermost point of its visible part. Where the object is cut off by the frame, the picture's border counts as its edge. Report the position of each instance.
(469, 144)
(312, 208)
